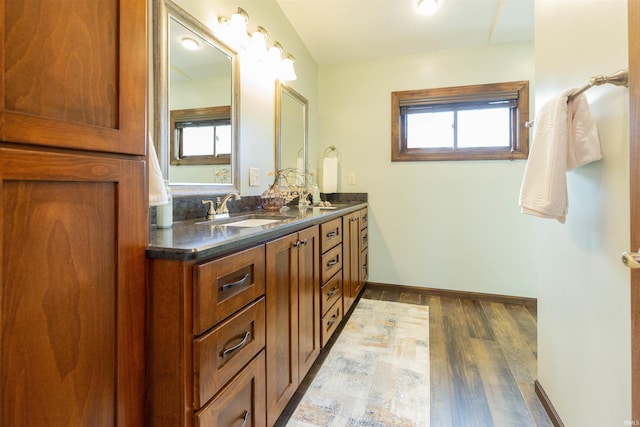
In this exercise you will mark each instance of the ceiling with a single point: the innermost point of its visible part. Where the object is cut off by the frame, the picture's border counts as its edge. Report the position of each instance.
(337, 31)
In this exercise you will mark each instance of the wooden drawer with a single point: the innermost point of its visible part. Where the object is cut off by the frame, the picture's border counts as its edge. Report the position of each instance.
(364, 275)
(330, 322)
(331, 263)
(330, 234)
(364, 238)
(331, 292)
(364, 218)
(225, 285)
(242, 398)
(221, 353)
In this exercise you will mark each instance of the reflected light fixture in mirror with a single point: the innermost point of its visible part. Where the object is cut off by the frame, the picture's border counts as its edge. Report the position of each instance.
(190, 44)
(427, 7)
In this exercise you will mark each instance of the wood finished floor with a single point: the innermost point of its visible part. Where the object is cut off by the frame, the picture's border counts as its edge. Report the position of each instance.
(483, 362)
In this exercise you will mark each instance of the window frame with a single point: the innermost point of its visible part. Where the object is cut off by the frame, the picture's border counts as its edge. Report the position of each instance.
(519, 148)
(206, 114)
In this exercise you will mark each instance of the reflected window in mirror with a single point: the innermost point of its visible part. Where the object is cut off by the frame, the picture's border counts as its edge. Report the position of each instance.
(201, 136)
(197, 92)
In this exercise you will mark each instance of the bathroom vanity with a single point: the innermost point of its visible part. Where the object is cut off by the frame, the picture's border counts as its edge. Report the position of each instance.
(239, 308)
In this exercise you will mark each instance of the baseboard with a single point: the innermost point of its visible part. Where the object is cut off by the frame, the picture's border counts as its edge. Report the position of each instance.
(548, 407)
(531, 303)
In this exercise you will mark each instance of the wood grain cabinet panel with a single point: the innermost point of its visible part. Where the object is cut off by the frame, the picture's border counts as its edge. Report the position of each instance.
(74, 74)
(221, 353)
(72, 336)
(241, 402)
(224, 285)
(293, 315)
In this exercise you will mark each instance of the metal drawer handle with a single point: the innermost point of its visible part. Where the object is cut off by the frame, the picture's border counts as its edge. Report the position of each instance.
(332, 234)
(332, 320)
(332, 292)
(245, 418)
(237, 347)
(303, 242)
(333, 262)
(234, 284)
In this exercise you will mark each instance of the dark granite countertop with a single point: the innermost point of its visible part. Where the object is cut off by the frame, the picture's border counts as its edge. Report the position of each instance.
(199, 239)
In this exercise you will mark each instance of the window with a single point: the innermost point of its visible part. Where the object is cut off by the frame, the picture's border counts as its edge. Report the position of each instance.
(201, 136)
(480, 122)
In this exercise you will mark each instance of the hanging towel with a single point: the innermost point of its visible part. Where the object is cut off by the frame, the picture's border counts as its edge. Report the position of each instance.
(565, 137)
(330, 175)
(157, 190)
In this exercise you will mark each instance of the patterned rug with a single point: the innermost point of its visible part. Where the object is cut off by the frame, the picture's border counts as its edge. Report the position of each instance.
(376, 374)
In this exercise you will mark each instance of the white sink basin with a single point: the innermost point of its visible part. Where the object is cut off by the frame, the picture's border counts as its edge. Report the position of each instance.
(252, 222)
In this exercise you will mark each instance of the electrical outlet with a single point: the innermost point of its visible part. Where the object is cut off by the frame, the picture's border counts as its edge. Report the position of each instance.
(254, 177)
(352, 178)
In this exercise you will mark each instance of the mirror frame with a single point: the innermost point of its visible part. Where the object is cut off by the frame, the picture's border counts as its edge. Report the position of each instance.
(280, 89)
(163, 11)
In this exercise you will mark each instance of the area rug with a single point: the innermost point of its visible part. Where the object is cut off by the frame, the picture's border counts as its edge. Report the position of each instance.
(376, 374)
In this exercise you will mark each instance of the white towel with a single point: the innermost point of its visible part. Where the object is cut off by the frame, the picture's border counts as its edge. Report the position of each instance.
(330, 175)
(565, 137)
(157, 190)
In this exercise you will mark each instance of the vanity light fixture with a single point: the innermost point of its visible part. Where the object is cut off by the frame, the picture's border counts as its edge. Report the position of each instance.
(258, 44)
(190, 43)
(233, 32)
(238, 28)
(287, 72)
(427, 7)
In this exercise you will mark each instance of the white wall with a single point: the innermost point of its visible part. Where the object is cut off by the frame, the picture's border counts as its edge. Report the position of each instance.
(451, 225)
(583, 289)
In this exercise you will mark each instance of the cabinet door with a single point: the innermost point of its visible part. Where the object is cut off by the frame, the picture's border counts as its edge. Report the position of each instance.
(74, 74)
(73, 232)
(308, 300)
(351, 263)
(282, 323)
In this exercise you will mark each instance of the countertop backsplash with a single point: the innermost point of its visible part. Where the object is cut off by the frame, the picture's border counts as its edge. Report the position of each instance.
(185, 208)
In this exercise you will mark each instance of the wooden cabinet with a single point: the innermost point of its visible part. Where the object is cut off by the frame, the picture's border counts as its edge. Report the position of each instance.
(356, 255)
(293, 313)
(74, 74)
(206, 339)
(73, 222)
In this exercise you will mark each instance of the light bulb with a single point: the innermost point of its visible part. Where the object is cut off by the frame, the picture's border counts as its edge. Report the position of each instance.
(427, 7)
(287, 72)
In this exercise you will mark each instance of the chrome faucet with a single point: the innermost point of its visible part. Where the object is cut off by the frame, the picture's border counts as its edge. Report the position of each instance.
(221, 207)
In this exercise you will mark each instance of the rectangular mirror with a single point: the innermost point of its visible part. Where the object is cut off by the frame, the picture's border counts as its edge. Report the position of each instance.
(196, 104)
(291, 130)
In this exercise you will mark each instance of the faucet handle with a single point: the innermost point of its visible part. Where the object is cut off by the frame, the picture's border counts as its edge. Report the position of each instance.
(211, 211)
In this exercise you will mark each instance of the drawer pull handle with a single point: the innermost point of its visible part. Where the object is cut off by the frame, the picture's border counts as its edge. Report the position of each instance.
(332, 234)
(245, 418)
(332, 320)
(333, 262)
(303, 242)
(332, 292)
(364, 239)
(237, 347)
(234, 284)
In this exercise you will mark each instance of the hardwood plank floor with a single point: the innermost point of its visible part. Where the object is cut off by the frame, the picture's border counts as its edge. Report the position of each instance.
(483, 361)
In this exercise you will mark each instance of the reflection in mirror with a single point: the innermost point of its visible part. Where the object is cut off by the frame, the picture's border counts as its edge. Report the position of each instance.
(196, 104)
(291, 129)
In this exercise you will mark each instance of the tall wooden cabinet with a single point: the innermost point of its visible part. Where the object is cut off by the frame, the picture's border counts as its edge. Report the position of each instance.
(293, 315)
(73, 218)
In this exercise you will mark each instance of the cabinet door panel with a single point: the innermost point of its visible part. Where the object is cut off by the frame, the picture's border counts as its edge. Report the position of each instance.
(308, 300)
(74, 74)
(72, 337)
(282, 324)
